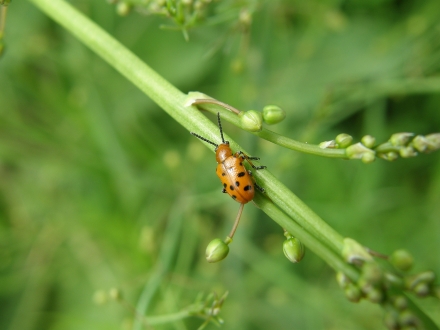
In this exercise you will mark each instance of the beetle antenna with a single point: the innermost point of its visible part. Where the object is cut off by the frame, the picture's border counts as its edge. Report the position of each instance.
(203, 139)
(220, 126)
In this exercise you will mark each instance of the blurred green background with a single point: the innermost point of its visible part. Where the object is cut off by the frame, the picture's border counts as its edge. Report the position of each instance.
(100, 188)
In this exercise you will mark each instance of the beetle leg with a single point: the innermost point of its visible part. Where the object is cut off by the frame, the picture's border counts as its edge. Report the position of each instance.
(248, 159)
(259, 188)
(224, 191)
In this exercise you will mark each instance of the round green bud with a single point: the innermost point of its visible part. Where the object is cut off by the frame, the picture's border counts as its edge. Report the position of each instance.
(393, 280)
(420, 143)
(391, 320)
(389, 156)
(353, 293)
(422, 289)
(401, 139)
(368, 158)
(364, 285)
(371, 272)
(425, 277)
(123, 8)
(368, 141)
(434, 141)
(216, 250)
(401, 260)
(357, 151)
(407, 152)
(374, 295)
(343, 140)
(400, 302)
(115, 294)
(273, 114)
(251, 120)
(406, 318)
(293, 249)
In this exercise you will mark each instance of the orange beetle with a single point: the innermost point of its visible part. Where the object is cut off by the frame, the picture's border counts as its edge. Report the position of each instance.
(236, 180)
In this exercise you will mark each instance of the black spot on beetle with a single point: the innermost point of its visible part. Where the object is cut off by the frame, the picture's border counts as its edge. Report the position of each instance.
(224, 185)
(241, 174)
(231, 187)
(241, 163)
(237, 184)
(223, 174)
(248, 187)
(234, 197)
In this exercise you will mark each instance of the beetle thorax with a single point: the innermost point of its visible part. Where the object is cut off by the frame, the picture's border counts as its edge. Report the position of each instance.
(223, 151)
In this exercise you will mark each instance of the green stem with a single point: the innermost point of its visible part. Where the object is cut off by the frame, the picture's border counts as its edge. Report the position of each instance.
(169, 318)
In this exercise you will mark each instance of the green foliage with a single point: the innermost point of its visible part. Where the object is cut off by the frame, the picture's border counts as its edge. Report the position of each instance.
(99, 188)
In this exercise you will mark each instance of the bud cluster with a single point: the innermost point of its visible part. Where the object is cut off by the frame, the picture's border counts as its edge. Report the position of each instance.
(252, 120)
(379, 285)
(404, 145)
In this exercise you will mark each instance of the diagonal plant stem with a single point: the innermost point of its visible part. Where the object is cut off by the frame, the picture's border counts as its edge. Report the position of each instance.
(280, 203)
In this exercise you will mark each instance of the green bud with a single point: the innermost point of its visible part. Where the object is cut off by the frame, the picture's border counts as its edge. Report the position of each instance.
(353, 252)
(343, 140)
(406, 317)
(251, 120)
(374, 295)
(371, 272)
(353, 293)
(123, 8)
(400, 303)
(434, 141)
(216, 250)
(293, 249)
(328, 144)
(389, 156)
(401, 260)
(364, 285)
(422, 289)
(393, 280)
(420, 143)
(391, 320)
(401, 139)
(273, 114)
(342, 280)
(368, 141)
(425, 277)
(357, 151)
(115, 294)
(407, 152)
(368, 158)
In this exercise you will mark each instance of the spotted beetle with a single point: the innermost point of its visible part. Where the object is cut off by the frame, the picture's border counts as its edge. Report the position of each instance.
(236, 180)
